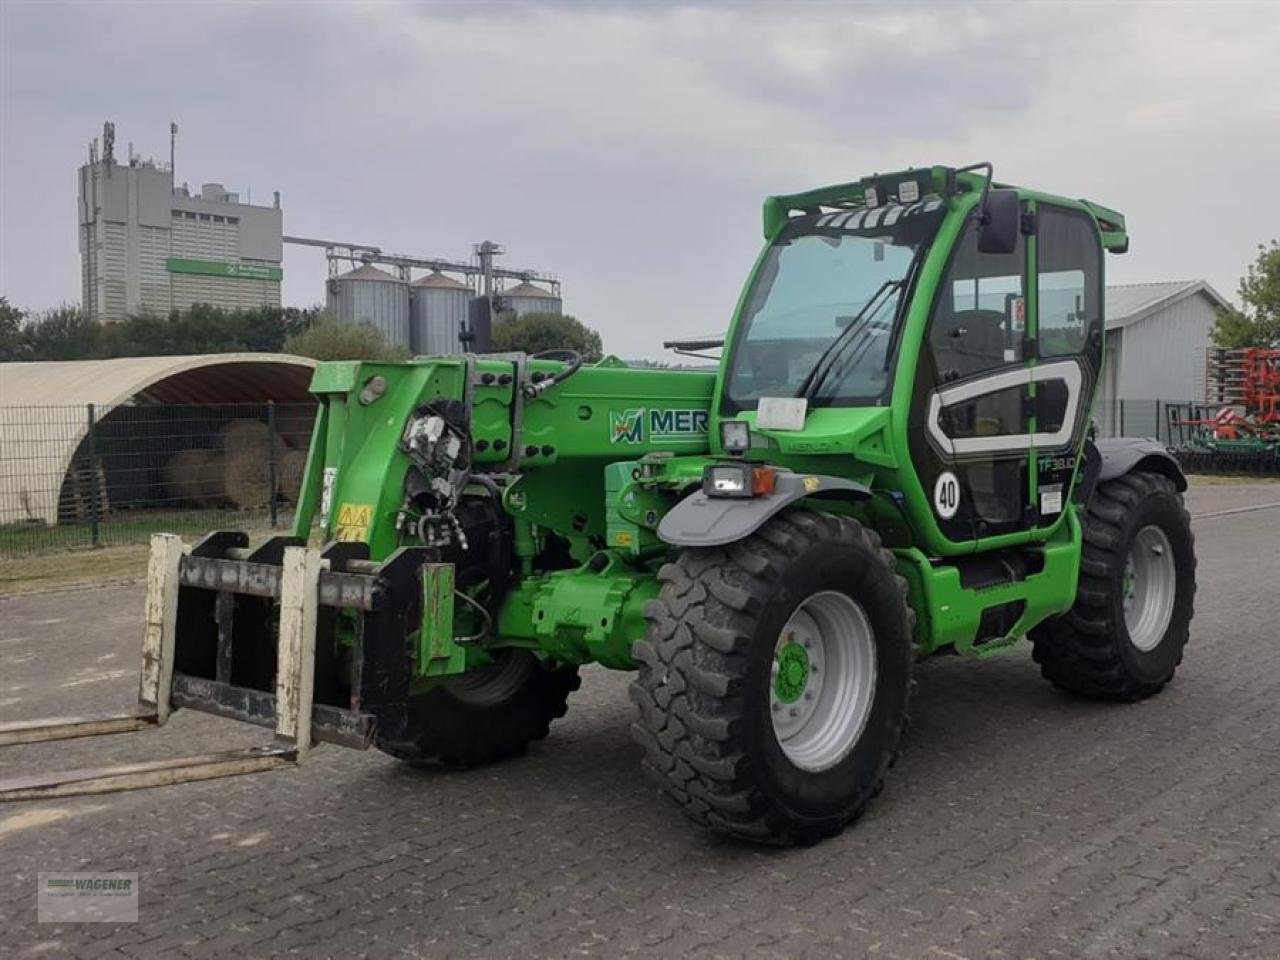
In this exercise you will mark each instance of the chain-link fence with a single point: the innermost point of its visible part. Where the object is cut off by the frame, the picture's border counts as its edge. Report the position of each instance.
(86, 475)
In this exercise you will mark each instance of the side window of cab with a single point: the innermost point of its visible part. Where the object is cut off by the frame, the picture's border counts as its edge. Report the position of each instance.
(978, 320)
(1069, 296)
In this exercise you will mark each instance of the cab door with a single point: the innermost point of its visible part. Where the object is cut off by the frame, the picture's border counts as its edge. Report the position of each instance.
(970, 426)
(1066, 351)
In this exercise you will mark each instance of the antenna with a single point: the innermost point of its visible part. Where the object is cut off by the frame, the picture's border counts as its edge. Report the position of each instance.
(173, 149)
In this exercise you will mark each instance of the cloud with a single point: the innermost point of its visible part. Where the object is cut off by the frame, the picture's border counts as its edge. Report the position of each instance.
(627, 148)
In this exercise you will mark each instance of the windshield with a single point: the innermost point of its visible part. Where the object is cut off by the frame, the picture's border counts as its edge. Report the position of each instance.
(821, 318)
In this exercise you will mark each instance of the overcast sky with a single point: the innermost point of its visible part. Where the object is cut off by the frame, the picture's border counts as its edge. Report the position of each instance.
(626, 148)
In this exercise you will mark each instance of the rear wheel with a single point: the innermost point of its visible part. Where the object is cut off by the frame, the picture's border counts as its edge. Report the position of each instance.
(773, 678)
(1123, 639)
(485, 715)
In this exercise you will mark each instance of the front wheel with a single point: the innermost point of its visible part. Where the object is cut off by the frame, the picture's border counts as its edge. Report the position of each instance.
(1123, 639)
(774, 676)
(486, 714)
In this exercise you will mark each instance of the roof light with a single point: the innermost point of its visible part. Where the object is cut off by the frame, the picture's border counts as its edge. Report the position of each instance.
(908, 191)
(874, 196)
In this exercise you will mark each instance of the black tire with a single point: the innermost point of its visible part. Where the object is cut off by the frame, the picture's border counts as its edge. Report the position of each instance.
(486, 715)
(704, 678)
(1088, 651)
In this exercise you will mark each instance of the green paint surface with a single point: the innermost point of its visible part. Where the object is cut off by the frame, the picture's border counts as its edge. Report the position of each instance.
(793, 672)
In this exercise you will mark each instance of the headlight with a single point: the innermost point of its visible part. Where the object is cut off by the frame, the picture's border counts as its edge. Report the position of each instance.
(735, 436)
(738, 480)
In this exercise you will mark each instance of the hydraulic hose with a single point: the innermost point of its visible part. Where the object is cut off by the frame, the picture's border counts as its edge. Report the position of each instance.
(572, 361)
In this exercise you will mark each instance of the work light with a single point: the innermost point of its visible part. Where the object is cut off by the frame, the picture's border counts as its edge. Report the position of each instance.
(735, 437)
(739, 479)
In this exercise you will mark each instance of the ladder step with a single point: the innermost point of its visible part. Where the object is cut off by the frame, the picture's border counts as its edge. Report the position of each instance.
(151, 773)
(69, 728)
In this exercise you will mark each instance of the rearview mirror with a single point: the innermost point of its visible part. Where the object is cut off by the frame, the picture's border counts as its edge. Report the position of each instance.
(999, 233)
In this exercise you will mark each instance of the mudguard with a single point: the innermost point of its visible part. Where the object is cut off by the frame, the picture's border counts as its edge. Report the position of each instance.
(702, 521)
(1120, 455)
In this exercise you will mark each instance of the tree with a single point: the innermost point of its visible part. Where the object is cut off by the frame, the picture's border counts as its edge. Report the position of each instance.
(1258, 323)
(12, 342)
(536, 332)
(328, 339)
(63, 333)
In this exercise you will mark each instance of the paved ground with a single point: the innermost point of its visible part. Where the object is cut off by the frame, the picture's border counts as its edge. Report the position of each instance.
(1019, 822)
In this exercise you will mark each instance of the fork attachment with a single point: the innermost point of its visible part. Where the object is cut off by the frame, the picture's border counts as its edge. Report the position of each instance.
(307, 642)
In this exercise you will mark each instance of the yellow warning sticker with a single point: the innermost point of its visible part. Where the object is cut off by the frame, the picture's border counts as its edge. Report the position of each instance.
(353, 522)
(811, 484)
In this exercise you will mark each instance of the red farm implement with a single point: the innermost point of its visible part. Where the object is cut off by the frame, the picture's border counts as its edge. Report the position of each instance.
(1237, 429)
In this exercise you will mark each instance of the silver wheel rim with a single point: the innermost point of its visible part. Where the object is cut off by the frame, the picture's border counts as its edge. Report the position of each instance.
(823, 680)
(1148, 587)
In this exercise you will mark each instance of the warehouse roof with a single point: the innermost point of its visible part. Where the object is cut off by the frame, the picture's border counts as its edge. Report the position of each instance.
(1130, 302)
(43, 415)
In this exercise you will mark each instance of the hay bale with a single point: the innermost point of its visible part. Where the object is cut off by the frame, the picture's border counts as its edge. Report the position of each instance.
(293, 463)
(246, 478)
(241, 435)
(295, 429)
(195, 476)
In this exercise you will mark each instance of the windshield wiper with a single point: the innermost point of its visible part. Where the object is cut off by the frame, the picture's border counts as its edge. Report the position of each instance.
(827, 359)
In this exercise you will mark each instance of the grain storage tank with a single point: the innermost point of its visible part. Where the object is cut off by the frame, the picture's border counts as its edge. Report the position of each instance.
(370, 295)
(437, 311)
(526, 298)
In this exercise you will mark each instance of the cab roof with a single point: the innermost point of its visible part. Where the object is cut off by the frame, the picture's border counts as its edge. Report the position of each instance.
(915, 183)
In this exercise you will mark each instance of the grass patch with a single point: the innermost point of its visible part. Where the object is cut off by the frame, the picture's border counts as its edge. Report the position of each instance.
(51, 571)
(126, 527)
(49, 558)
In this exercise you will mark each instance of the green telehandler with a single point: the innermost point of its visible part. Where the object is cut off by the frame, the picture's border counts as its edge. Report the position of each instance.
(893, 460)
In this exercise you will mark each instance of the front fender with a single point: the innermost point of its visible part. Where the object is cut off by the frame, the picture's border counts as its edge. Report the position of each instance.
(702, 521)
(1120, 455)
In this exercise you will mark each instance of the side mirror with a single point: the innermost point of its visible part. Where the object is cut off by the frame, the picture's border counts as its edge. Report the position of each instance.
(999, 232)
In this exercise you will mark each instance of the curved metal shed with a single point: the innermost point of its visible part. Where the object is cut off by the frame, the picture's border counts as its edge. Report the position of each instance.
(43, 409)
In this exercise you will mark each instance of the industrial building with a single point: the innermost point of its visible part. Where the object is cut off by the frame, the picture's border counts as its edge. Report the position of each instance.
(148, 244)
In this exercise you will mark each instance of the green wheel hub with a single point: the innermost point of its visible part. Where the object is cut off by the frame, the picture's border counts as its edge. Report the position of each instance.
(793, 672)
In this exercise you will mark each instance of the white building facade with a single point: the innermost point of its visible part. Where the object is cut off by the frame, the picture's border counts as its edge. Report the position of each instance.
(148, 247)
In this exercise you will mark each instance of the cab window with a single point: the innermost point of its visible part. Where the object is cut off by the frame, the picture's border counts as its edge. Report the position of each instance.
(978, 321)
(1069, 281)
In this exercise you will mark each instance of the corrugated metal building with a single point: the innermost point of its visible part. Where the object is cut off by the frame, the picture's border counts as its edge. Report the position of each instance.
(1157, 335)
(370, 295)
(42, 422)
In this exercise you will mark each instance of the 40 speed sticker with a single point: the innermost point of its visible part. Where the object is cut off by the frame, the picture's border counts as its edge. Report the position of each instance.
(946, 495)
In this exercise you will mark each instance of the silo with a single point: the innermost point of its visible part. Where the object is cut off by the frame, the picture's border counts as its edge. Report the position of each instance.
(437, 311)
(370, 295)
(526, 298)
